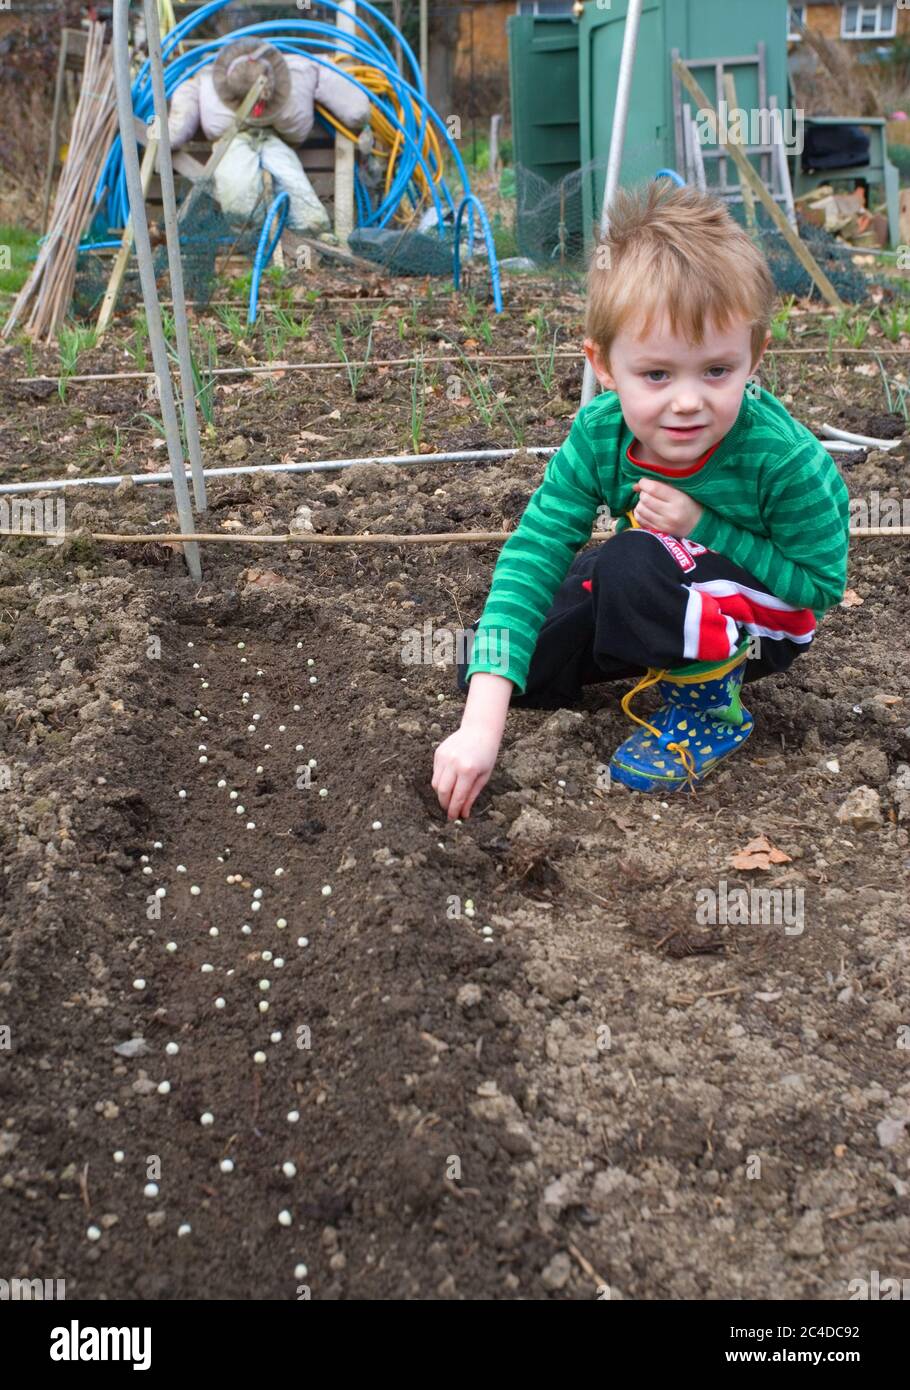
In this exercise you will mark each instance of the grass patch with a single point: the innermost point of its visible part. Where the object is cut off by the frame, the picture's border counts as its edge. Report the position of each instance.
(17, 244)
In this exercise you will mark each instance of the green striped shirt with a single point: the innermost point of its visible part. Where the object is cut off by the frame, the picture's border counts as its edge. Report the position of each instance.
(774, 503)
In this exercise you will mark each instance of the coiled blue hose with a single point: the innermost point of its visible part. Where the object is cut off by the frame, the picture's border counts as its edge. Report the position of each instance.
(278, 212)
(310, 39)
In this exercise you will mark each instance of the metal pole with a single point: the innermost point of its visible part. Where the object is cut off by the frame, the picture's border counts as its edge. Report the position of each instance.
(617, 143)
(111, 480)
(121, 57)
(424, 47)
(174, 263)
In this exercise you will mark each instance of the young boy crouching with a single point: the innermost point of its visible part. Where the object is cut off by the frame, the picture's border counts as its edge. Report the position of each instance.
(732, 517)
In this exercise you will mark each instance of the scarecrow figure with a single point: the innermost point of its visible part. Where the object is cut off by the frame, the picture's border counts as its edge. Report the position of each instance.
(284, 113)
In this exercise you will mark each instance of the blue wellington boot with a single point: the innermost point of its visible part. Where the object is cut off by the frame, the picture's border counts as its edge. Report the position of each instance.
(700, 722)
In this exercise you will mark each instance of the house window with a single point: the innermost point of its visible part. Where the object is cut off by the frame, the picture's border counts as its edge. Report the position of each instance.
(869, 21)
(797, 16)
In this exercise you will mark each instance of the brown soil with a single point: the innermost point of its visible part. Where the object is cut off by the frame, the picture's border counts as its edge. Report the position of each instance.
(603, 1091)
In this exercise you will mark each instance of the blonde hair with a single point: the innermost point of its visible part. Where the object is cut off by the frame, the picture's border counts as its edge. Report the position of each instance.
(675, 250)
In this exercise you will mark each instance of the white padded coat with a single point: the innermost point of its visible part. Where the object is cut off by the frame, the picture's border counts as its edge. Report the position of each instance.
(196, 103)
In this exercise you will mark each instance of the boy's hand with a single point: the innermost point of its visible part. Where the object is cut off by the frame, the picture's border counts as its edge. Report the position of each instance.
(462, 766)
(661, 507)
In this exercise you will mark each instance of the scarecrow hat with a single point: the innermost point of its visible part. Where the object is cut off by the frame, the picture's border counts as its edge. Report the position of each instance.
(236, 69)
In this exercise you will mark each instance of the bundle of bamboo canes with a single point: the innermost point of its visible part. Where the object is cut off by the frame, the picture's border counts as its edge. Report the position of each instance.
(49, 289)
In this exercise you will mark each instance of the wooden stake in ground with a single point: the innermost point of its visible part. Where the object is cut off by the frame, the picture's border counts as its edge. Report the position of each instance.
(748, 175)
(126, 245)
(748, 195)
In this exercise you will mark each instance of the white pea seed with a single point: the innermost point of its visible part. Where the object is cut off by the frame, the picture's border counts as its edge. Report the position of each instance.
(119, 1155)
(259, 1057)
(257, 892)
(255, 907)
(182, 794)
(256, 718)
(164, 1088)
(243, 661)
(263, 1006)
(150, 1189)
(195, 665)
(289, 1170)
(300, 646)
(160, 892)
(298, 748)
(296, 709)
(240, 810)
(275, 1037)
(251, 728)
(260, 673)
(219, 1003)
(281, 923)
(203, 719)
(172, 1049)
(171, 946)
(157, 845)
(312, 763)
(203, 759)
(300, 1271)
(197, 713)
(233, 795)
(285, 1218)
(487, 931)
(184, 1229)
(377, 824)
(241, 646)
(207, 969)
(310, 661)
(195, 890)
(282, 728)
(202, 748)
(147, 869)
(323, 791)
(326, 890)
(303, 941)
(314, 680)
(221, 782)
(279, 872)
(266, 747)
(181, 868)
(143, 859)
(213, 931)
(259, 767)
(293, 1116)
(279, 963)
(93, 1232)
(191, 644)
(226, 1165)
(207, 1119)
(139, 984)
(245, 930)
(266, 955)
(205, 685)
(265, 984)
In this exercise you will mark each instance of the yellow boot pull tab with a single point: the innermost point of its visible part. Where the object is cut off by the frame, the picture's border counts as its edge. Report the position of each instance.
(632, 521)
(685, 757)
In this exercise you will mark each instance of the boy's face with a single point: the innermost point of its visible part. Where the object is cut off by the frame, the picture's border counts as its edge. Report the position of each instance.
(678, 398)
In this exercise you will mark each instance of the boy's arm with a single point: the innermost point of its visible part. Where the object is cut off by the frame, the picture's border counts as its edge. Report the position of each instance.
(804, 558)
(532, 564)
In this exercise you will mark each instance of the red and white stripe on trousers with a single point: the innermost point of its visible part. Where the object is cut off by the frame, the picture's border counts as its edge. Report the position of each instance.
(717, 608)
